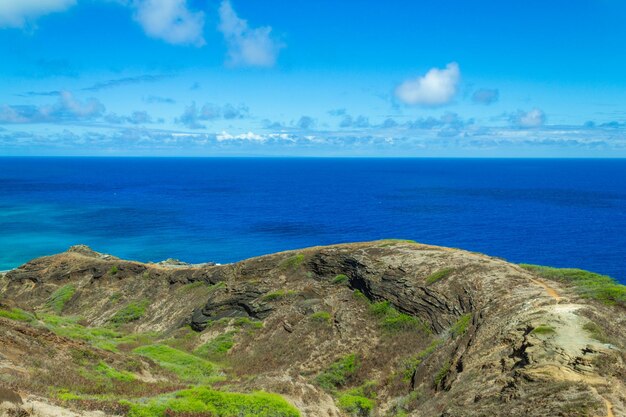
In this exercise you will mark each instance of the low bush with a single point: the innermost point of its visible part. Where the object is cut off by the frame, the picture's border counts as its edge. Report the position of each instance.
(132, 312)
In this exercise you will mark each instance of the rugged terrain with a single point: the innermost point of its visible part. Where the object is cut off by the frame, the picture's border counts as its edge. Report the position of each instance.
(386, 328)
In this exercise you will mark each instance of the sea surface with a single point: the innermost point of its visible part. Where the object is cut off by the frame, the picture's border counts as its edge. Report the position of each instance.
(564, 213)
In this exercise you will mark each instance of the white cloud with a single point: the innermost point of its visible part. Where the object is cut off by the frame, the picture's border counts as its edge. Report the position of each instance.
(19, 13)
(171, 21)
(533, 118)
(435, 88)
(247, 46)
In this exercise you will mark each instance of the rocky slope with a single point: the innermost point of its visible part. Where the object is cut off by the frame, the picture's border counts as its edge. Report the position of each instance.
(387, 328)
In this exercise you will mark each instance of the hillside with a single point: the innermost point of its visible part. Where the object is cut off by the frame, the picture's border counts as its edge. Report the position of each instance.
(386, 328)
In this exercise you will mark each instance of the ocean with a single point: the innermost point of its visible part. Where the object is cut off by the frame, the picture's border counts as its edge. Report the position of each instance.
(557, 212)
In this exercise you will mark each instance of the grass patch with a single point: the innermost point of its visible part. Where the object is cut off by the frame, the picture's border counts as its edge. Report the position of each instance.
(438, 275)
(338, 373)
(17, 314)
(460, 327)
(208, 402)
(112, 373)
(100, 337)
(218, 347)
(587, 284)
(442, 373)
(60, 297)
(393, 320)
(321, 317)
(596, 332)
(292, 262)
(132, 312)
(278, 294)
(543, 329)
(188, 367)
(340, 279)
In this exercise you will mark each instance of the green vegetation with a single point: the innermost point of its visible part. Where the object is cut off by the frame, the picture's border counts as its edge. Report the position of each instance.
(275, 295)
(205, 401)
(356, 405)
(543, 329)
(218, 347)
(292, 262)
(460, 327)
(321, 316)
(439, 275)
(102, 338)
(392, 320)
(60, 297)
(113, 270)
(340, 279)
(338, 373)
(188, 367)
(412, 364)
(596, 332)
(391, 242)
(442, 373)
(112, 373)
(587, 284)
(358, 401)
(17, 315)
(132, 312)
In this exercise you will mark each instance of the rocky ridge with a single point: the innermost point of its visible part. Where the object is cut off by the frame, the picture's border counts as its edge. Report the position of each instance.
(386, 328)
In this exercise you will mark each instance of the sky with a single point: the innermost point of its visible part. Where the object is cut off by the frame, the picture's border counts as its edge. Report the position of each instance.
(313, 78)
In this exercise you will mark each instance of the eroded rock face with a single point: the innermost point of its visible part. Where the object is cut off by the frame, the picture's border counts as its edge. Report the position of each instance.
(440, 332)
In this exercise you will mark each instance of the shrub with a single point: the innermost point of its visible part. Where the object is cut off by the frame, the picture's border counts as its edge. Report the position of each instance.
(206, 401)
(460, 327)
(438, 275)
(188, 367)
(356, 405)
(132, 312)
(292, 262)
(113, 270)
(60, 297)
(340, 279)
(321, 316)
(587, 284)
(338, 373)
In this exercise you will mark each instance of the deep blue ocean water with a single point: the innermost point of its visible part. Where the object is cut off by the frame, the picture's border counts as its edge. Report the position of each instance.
(565, 213)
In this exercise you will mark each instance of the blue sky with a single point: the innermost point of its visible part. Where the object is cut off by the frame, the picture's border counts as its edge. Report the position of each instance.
(323, 78)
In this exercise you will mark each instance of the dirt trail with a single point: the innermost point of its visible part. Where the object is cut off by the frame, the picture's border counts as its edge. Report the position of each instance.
(570, 309)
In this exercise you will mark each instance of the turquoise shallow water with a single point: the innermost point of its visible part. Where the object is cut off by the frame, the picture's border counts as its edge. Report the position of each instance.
(553, 212)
